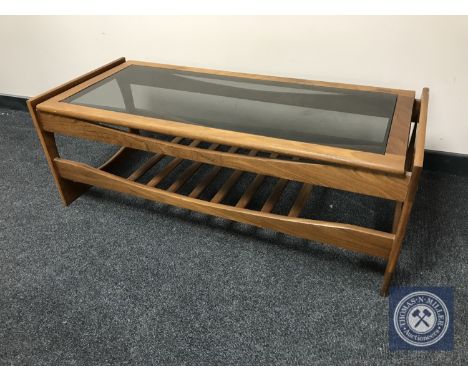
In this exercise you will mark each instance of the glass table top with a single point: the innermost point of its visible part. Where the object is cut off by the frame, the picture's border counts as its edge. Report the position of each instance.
(345, 118)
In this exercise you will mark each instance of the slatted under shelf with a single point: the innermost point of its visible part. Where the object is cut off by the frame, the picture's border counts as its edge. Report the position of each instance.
(161, 178)
(210, 175)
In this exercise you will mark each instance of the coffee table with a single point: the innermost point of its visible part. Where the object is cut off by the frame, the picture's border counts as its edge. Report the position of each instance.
(360, 139)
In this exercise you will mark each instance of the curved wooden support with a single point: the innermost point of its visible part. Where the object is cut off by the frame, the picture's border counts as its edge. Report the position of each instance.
(382, 185)
(347, 236)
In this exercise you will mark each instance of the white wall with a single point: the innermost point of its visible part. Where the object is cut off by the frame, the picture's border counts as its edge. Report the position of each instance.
(403, 52)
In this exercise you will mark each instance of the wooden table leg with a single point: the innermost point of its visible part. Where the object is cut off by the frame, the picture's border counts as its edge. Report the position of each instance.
(399, 224)
(401, 219)
(67, 189)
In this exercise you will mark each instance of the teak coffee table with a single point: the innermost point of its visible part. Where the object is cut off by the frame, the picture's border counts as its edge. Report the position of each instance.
(360, 139)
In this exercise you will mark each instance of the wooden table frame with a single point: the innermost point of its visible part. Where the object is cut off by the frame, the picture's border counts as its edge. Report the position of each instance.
(393, 175)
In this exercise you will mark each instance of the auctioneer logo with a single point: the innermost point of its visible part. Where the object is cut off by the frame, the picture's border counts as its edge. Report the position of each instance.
(421, 318)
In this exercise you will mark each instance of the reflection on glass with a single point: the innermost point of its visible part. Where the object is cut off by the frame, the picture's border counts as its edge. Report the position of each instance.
(329, 116)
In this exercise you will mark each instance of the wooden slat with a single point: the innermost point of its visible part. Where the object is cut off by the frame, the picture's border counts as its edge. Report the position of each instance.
(301, 199)
(230, 182)
(180, 181)
(169, 168)
(208, 178)
(250, 191)
(373, 183)
(275, 195)
(343, 235)
(252, 188)
(138, 173)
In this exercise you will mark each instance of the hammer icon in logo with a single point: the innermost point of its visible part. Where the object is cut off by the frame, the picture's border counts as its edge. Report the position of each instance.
(417, 313)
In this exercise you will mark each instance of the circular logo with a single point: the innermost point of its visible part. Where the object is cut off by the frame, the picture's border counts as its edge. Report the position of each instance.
(421, 319)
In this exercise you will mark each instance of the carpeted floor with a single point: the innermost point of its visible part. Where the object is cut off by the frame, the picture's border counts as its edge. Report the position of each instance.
(114, 279)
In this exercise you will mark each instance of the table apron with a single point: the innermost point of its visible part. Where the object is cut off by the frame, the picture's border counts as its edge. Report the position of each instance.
(347, 178)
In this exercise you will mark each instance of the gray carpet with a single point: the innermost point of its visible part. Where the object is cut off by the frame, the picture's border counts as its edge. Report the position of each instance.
(116, 280)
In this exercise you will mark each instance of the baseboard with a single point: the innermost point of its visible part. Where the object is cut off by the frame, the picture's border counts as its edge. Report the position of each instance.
(13, 102)
(451, 163)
